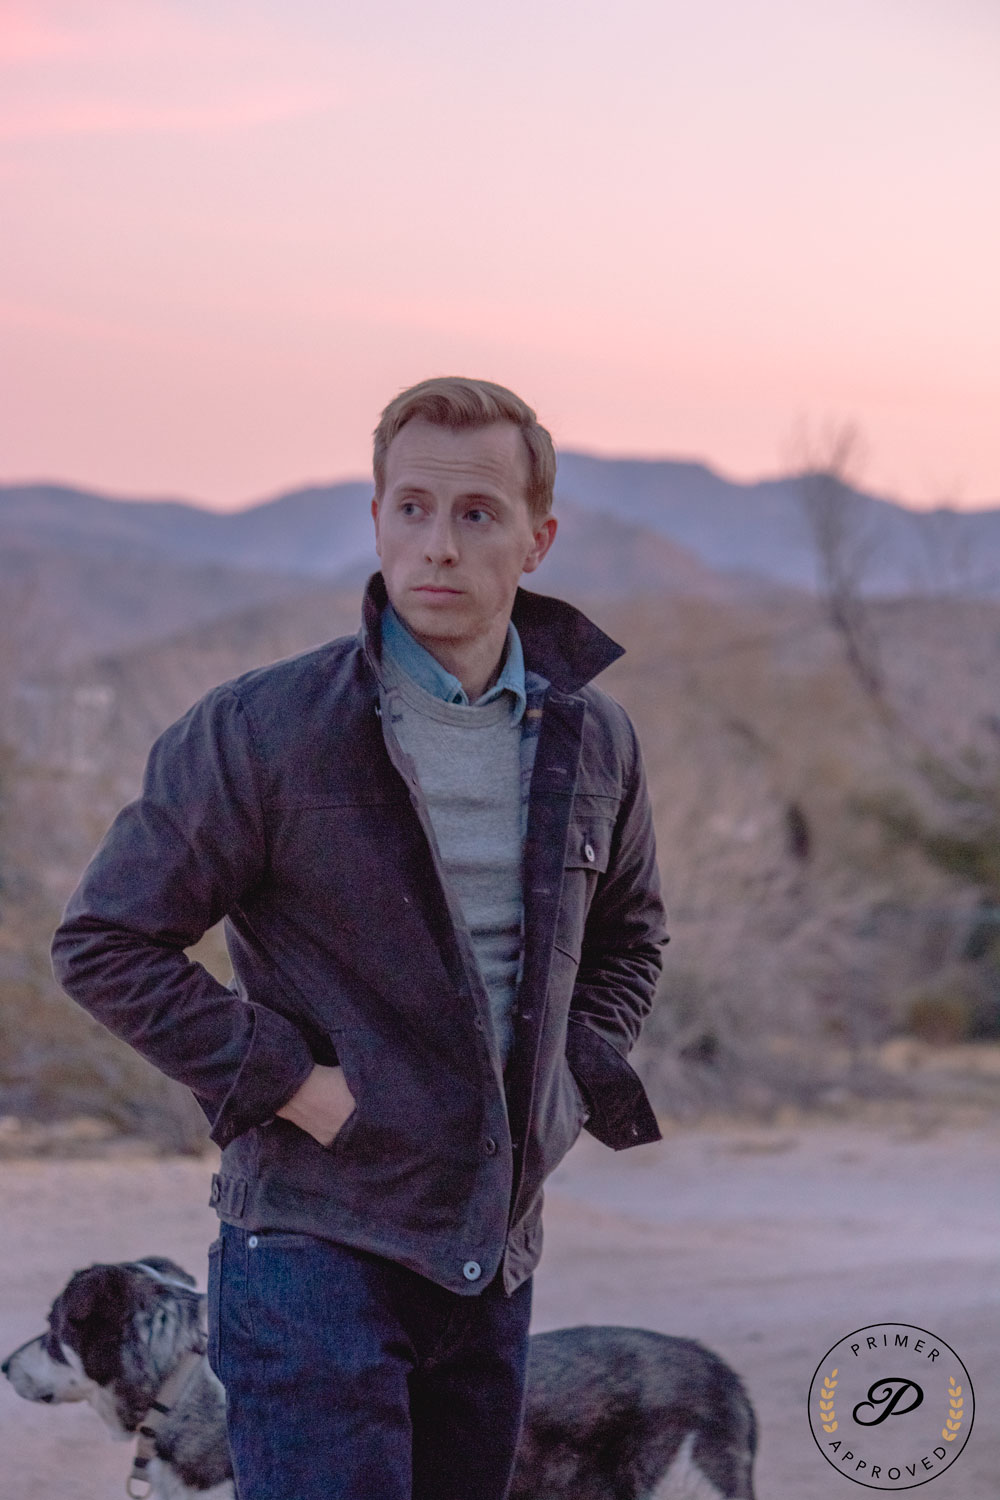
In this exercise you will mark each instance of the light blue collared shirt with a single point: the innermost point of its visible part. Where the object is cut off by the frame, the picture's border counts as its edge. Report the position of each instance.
(418, 663)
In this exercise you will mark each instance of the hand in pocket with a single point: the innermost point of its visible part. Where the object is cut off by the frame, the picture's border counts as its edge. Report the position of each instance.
(322, 1105)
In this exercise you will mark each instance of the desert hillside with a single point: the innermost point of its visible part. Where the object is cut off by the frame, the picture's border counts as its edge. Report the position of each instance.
(818, 910)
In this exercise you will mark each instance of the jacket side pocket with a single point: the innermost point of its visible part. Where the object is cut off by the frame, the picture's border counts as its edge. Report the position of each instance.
(345, 1062)
(620, 1113)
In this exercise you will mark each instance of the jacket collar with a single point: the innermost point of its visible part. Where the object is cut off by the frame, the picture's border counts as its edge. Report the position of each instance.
(559, 641)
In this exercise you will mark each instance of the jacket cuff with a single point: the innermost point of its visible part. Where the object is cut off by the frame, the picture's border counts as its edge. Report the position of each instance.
(276, 1063)
(620, 1113)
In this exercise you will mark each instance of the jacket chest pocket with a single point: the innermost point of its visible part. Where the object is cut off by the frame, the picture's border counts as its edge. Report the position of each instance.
(588, 850)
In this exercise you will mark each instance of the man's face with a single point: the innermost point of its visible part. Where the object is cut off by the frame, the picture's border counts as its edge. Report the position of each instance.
(454, 532)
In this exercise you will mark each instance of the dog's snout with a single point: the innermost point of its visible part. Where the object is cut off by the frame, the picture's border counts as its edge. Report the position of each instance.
(5, 1367)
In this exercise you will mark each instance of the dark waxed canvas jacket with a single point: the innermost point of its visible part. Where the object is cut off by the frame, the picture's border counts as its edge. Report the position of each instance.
(283, 804)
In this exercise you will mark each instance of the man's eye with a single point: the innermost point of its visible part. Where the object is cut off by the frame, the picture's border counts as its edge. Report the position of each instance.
(477, 514)
(409, 508)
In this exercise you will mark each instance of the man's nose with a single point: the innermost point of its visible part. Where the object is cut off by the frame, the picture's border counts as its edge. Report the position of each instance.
(441, 542)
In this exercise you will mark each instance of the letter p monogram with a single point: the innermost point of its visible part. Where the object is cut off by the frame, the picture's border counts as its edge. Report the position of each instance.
(885, 1399)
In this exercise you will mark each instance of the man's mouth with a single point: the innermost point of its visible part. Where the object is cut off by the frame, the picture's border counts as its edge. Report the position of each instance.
(436, 589)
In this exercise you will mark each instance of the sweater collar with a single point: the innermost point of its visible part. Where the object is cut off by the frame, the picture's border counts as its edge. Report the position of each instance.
(558, 640)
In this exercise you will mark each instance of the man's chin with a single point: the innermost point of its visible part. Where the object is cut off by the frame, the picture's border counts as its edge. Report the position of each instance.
(434, 620)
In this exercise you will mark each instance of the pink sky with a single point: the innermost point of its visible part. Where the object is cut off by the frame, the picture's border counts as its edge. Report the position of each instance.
(232, 231)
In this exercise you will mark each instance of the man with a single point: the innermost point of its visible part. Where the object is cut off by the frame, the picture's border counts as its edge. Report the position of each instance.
(433, 849)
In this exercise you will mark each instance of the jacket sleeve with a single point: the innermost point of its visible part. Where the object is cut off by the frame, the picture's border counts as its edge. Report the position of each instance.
(616, 981)
(171, 865)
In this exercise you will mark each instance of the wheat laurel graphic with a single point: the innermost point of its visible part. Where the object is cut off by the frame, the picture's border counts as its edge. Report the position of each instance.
(951, 1428)
(826, 1412)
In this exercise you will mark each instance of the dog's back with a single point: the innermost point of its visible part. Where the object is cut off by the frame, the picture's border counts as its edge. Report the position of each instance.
(637, 1415)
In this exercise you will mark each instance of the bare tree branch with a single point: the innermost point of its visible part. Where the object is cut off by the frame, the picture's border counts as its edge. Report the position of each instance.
(844, 543)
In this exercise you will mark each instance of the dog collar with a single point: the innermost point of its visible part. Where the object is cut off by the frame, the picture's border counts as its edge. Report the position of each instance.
(160, 1408)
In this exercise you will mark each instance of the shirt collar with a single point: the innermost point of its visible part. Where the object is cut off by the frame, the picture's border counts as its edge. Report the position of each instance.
(428, 673)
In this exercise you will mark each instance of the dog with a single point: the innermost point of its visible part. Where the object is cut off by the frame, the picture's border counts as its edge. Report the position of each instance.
(610, 1412)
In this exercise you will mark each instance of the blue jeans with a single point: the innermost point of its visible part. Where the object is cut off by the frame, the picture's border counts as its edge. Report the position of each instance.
(351, 1378)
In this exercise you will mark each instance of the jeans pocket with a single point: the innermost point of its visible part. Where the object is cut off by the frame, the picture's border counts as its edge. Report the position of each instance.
(215, 1252)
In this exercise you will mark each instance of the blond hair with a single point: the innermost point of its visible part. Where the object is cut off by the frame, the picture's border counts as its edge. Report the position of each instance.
(458, 403)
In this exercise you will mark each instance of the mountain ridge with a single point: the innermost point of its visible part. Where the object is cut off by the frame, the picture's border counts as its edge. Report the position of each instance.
(756, 530)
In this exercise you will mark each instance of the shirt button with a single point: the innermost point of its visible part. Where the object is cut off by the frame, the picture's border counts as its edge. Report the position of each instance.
(252, 1242)
(588, 850)
(490, 1146)
(472, 1270)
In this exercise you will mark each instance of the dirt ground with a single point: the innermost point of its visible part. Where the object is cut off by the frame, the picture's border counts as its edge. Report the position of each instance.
(767, 1243)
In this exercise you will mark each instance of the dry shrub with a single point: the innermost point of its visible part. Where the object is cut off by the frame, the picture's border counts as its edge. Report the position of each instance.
(801, 934)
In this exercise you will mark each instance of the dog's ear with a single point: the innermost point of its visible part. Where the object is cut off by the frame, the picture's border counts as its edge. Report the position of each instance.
(92, 1294)
(89, 1316)
(168, 1268)
(79, 1299)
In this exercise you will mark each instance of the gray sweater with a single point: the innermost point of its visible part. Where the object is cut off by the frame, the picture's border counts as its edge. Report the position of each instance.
(468, 760)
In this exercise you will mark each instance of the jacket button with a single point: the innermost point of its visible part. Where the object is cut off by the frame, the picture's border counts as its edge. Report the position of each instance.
(588, 850)
(490, 1146)
(472, 1270)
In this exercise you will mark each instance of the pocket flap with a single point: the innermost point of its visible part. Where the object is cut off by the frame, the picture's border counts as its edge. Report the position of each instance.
(588, 846)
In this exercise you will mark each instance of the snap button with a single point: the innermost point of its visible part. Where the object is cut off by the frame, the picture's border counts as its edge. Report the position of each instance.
(216, 1191)
(490, 1146)
(588, 850)
(472, 1270)
(252, 1242)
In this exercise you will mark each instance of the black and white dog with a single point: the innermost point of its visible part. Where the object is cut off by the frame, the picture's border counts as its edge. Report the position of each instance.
(611, 1412)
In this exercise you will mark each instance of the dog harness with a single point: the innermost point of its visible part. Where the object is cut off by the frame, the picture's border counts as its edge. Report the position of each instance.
(166, 1399)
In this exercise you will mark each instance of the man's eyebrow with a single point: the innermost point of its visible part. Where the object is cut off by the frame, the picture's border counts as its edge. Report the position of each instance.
(480, 495)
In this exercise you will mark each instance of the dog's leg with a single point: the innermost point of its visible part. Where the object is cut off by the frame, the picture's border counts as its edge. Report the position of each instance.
(684, 1480)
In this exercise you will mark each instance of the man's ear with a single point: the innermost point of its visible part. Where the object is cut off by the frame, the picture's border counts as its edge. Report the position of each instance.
(378, 549)
(541, 542)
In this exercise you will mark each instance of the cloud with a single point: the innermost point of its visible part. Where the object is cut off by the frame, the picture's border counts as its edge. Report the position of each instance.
(28, 38)
(53, 119)
(55, 31)
(112, 68)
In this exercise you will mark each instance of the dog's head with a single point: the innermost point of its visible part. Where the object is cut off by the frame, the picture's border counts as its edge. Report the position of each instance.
(115, 1332)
